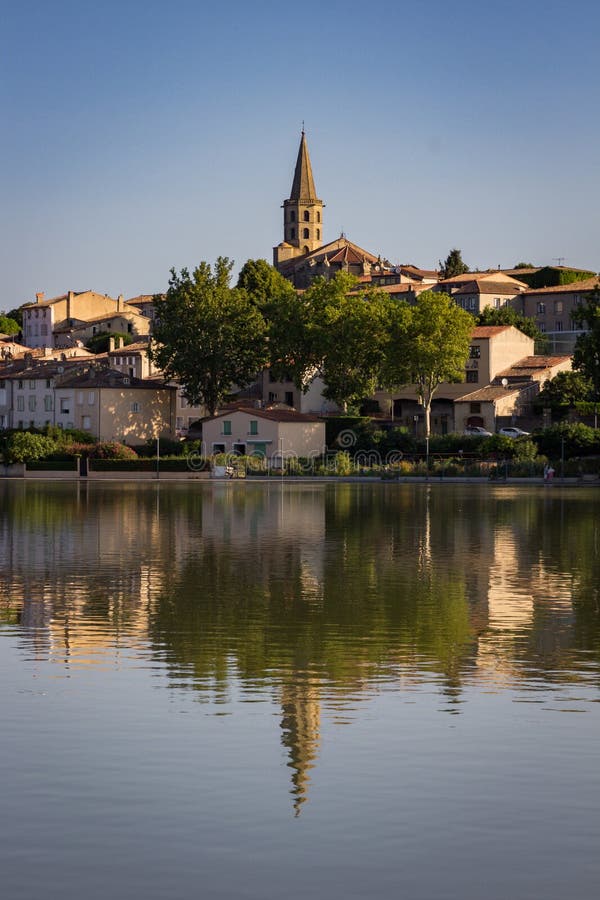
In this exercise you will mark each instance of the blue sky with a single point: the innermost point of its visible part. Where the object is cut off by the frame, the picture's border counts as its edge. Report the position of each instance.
(143, 135)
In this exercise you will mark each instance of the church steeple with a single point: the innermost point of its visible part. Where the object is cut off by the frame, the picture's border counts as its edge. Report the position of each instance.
(303, 186)
(303, 211)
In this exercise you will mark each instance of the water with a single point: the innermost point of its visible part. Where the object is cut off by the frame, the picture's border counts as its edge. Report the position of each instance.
(313, 691)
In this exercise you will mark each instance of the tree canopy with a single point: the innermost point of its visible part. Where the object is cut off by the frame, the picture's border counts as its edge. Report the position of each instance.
(563, 392)
(430, 346)
(208, 335)
(586, 357)
(100, 342)
(453, 265)
(264, 285)
(333, 331)
(8, 325)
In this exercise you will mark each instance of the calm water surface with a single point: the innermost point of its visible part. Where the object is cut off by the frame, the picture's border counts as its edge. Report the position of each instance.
(312, 691)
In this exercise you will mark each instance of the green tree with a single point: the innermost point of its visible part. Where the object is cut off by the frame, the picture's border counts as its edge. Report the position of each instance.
(100, 342)
(524, 265)
(453, 265)
(8, 325)
(561, 393)
(208, 335)
(17, 315)
(332, 331)
(506, 315)
(264, 285)
(586, 358)
(433, 346)
(25, 446)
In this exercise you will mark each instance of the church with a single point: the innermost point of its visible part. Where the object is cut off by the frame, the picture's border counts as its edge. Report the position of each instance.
(302, 255)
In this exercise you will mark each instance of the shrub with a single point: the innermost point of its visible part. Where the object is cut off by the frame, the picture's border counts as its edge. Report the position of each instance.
(166, 447)
(112, 450)
(23, 446)
(579, 440)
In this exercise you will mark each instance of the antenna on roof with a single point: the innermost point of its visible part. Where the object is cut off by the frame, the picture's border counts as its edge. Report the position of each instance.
(559, 259)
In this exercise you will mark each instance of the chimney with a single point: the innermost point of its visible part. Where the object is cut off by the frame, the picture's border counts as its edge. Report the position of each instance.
(39, 297)
(70, 295)
(111, 344)
(120, 303)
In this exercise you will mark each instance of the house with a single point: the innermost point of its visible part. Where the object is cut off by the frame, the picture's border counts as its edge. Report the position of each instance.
(125, 321)
(508, 399)
(265, 432)
(493, 349)
(27, 391)
(551, 308)
(45, 317)
(115, 407)
(312, 401)
(144, 304)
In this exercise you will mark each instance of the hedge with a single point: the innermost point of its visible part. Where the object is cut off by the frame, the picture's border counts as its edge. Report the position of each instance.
(52, 465)
(143, 464)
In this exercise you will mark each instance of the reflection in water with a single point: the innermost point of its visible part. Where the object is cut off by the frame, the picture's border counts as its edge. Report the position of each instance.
(315, 596)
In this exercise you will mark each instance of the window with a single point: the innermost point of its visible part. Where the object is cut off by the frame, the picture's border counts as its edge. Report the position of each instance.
(218, 448)
(253, 426)
(80, 398)
(20, 384)
(91, 398)
(32, 404)
(472, 376)
(272, 397)
(292, 234)
(20, 404)
(474, 352)
(475, 407)
(48, 403)
(43, 329)
(86, 423)
(227, 426)
(292, 216)
(289, 398)
(48, 382)
(305, 233)
(306, 216)
(541, 326)
(318, 217)
(135, 407)
(541, 309)
(318, 234)
(65, 406)
(558, 325)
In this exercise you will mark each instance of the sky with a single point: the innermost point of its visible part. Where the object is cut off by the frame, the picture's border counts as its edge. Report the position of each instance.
(140, 136)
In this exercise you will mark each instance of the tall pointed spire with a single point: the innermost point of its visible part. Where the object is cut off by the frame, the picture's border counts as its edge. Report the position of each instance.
(303, 186)
(302, 213)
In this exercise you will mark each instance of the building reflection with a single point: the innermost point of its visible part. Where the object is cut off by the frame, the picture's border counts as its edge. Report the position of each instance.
(315, 595)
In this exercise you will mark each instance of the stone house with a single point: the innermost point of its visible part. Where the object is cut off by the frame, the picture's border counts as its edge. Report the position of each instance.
(265, 432)
(551, 308)
(508, 398)
(493, 349)
(44, 318)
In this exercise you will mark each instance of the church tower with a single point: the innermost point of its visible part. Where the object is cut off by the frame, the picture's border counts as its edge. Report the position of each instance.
(302, 212)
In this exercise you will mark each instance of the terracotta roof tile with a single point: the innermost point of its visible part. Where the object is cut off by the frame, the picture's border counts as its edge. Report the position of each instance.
(576, 287)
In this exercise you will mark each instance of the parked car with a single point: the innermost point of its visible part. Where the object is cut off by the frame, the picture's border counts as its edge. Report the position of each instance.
(477, 429)
(512, 432)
